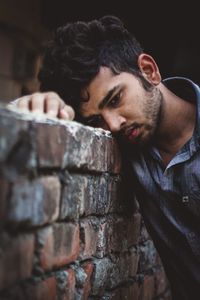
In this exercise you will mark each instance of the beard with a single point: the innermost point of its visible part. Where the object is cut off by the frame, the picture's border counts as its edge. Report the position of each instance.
(153, 111)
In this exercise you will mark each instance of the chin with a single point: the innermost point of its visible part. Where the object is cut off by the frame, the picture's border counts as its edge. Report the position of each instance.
(141, 144)
(146, 142)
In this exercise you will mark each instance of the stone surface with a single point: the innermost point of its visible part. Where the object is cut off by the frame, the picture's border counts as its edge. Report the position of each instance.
(58, 245)
(16, 258)
(65, 284)
(34, 202)
(71, 227)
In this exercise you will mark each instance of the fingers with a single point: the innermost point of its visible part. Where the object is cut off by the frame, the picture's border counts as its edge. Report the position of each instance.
(67, 113)
(21, 103)
(48, 103)
(53, 104)
(45, 103)
(37, 103)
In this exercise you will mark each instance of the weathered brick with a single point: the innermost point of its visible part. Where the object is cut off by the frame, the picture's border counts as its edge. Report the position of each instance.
(101, 275)
(144, 235)
(89, 236)
(103, 236)
(73, 145)
(114, 157)
(108, 234)
(119, 271)
(85, 195)
(10, 135)
(119, 199)
(16, 258)
(112, 242)
(89, 149)
(50, 144)
(133, 230)
(124, 266)
(109, 273)
(161, 282)
(112, 295)
(131, 292)
(102, 242)
(4, 190)
(88, 268)
(148, 288)
(133, 260)
(34, 202)
(33, 289)
(148, 256)
(83, 275)
(40, 290)
(115, 235)
(57, 245)
(123, 232)
(65, 144)
(98, 198)
(116, 203)
(73, 195)
(66, 285)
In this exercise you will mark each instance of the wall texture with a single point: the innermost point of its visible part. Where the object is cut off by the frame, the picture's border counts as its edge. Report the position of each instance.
(68, 230)
(22, 34)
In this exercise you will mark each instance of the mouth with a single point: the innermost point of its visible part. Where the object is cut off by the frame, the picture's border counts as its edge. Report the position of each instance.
(132, 133)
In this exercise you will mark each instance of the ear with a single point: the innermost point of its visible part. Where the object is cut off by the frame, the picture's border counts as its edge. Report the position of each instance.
(149, 68)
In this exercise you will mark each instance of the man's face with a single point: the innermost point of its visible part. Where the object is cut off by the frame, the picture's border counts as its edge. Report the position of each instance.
(120, 103)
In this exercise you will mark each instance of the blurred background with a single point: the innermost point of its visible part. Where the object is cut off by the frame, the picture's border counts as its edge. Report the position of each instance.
(167, 31)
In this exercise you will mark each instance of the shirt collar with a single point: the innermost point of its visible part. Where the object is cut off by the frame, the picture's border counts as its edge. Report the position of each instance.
(188, 90)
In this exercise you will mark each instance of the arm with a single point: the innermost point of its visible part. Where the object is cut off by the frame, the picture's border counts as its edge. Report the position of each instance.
(47, 103)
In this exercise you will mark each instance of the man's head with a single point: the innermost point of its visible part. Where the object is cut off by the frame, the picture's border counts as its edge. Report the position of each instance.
(78, 50)
(88, 62)
(120, 103)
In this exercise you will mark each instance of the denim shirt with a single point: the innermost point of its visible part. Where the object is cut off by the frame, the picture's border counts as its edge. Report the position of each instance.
(169, 200)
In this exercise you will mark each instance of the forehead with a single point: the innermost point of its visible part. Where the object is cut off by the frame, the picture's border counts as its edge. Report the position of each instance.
(97, 90)
(100, 83)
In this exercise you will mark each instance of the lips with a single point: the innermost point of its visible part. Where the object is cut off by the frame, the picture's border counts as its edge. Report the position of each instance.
(132, 133)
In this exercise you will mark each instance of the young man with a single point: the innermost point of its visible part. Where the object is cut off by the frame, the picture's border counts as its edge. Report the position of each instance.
(99, 74)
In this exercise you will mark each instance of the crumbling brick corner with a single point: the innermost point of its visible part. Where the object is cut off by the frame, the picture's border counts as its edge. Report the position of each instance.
(68, 229)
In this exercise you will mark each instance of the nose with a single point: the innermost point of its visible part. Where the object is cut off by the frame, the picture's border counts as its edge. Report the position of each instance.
(114, 121)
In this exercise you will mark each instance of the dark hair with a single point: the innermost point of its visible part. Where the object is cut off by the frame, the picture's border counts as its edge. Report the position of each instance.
(78, 50)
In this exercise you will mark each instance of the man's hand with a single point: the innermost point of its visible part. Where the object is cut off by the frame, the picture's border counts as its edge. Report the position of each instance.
(47, 103)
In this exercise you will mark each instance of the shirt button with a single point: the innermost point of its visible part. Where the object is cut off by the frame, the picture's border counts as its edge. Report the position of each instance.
(191, 235)
(185, 199)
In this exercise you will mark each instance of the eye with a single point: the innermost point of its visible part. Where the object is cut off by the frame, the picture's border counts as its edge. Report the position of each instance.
(115, 100)
(95, 121)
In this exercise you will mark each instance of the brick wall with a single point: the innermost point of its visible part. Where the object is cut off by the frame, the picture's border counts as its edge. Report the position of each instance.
(68, 229)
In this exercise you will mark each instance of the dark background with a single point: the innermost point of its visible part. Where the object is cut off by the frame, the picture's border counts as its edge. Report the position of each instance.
(169, 31)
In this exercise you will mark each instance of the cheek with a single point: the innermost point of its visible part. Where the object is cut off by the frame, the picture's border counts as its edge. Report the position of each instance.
(133, 111)
(133, 104)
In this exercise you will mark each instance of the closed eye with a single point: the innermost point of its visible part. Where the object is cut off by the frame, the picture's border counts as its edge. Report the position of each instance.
(114, 102)
(95, 121)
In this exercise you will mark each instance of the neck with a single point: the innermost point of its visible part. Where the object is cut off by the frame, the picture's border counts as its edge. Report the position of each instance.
(177, 123)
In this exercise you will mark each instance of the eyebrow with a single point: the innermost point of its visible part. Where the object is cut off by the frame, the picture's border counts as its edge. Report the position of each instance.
(105, 100)
(102, 103)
